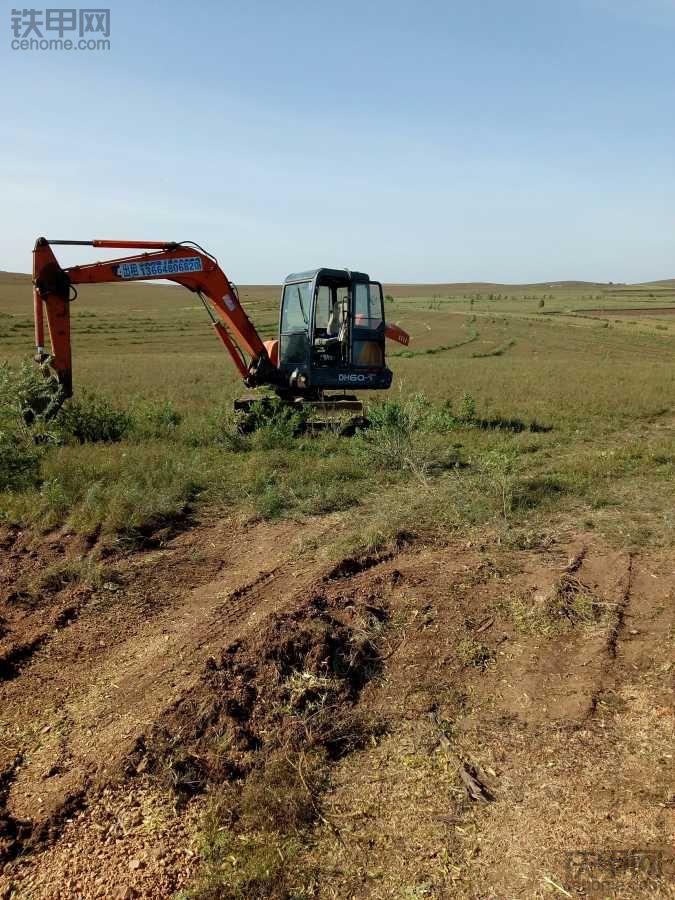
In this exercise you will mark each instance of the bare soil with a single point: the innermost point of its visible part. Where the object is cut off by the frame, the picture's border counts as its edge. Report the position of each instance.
(510, 712)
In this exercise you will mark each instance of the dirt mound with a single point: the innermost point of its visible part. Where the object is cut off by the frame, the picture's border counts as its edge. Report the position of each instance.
(292, 685)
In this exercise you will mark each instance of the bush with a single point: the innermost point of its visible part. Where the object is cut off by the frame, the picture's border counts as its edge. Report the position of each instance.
(402, 433)
(219, 428)
(19, 460)
(390, 415)
(397, 437)
(93, 419)
(441, 418)
(499, 470)
(155, 419)
(272, 424)
(467, 408)
(20, 455)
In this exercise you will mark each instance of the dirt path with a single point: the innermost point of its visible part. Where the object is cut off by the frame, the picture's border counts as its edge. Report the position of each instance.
(78, 703)
(526, 699)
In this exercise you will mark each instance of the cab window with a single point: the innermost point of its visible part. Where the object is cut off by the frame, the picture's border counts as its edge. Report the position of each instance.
(367, 306)
(296, 308)
(323, 309)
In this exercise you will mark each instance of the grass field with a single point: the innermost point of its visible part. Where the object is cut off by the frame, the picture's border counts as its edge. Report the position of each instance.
(431, 660)
(591, 393)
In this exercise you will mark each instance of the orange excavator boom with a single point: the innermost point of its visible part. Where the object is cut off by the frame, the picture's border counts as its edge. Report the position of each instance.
(183, 263)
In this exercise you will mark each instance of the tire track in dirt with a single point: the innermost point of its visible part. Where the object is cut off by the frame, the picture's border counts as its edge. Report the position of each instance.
(13, 660)
(83, 694)
(620, 614)
(86, 694)
(607, 678)
(553, 674)
(239, 714)
(470, 682)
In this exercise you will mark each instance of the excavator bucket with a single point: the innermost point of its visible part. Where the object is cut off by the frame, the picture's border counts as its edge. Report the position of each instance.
(43, 398)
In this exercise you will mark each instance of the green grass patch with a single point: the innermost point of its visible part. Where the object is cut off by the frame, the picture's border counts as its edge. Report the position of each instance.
(569, 604)
(497, 351)
(432, 351)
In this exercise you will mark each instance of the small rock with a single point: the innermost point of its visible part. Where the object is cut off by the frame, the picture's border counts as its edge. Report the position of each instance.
(136, 863)
(125, 893)
(133, 819)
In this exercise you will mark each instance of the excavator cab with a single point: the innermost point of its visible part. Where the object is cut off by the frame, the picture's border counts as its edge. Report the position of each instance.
(332, 331)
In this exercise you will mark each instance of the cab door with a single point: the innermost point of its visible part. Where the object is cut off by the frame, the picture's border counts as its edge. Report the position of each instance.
(368, 325)
(296, 314)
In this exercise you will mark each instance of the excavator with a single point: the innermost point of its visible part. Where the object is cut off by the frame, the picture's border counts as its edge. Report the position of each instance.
(331, 336)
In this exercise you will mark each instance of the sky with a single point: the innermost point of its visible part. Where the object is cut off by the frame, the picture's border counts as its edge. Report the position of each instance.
(518, 141)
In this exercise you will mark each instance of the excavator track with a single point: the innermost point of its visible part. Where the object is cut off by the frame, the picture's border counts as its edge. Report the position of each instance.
(342, 413)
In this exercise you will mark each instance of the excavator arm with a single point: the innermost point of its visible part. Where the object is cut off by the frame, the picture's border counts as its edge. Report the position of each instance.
(184, 263)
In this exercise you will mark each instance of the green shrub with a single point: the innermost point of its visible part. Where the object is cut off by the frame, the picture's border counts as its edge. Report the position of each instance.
(19, 460)
(396, 439)
(271, 423)
(441, 419)
(390, 415)
(499, 470)
(467, 408)
(35, 392)
(155, 419)
(20, 455)
(93, 419)
(219, 428)
(405, 435)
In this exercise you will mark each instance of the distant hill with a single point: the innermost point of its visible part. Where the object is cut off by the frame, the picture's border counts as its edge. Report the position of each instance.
(663, 283)
(14, 278)
(403, 289)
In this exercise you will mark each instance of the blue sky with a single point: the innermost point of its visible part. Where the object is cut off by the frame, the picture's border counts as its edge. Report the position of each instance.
(431, 141)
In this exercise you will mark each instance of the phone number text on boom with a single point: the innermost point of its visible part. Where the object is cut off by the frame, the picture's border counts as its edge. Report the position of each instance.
(160, 267)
